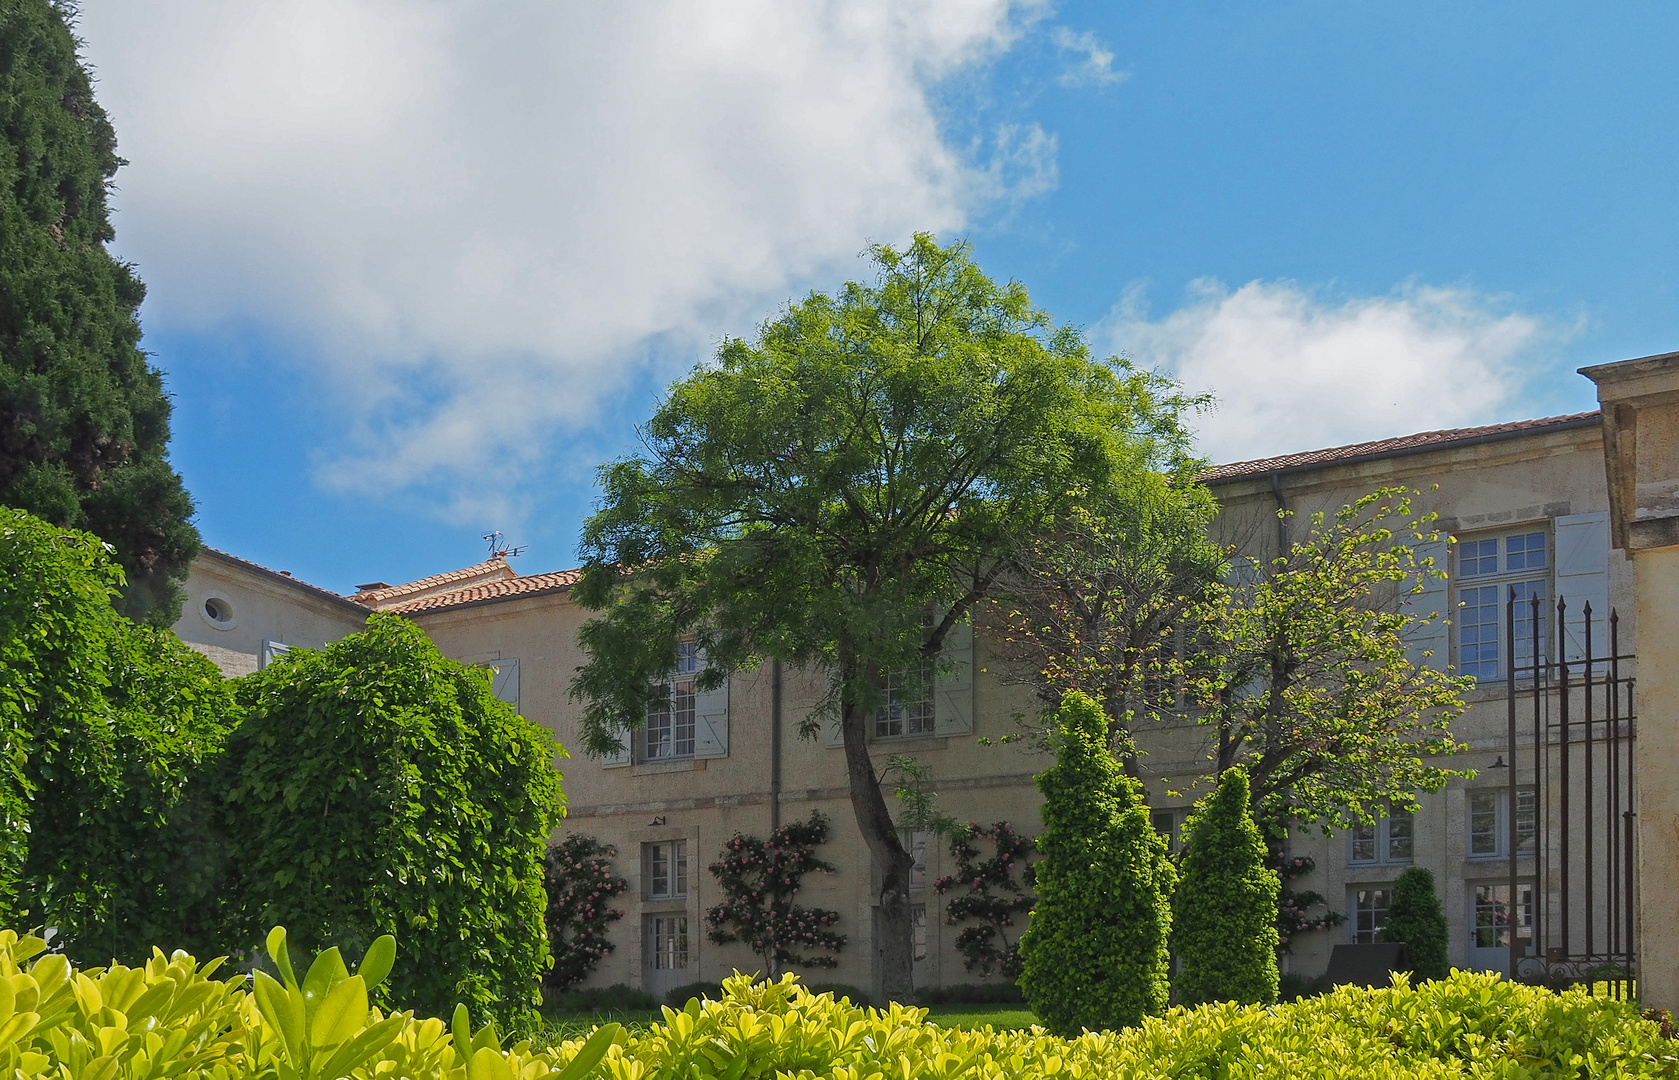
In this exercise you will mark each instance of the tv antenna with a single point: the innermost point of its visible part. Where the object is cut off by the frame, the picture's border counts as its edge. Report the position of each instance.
(501, 550)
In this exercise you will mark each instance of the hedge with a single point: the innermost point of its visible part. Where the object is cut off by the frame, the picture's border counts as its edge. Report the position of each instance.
(171, 1018)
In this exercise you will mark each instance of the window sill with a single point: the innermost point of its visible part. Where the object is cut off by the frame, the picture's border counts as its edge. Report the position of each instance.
(663, 904)
(1393, 864)
(926, 742)
(668, 765)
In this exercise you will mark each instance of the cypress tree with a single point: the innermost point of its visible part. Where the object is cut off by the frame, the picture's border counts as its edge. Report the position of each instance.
(1224, 927)
(1095, 953)
(1415, 917)
(84, 420)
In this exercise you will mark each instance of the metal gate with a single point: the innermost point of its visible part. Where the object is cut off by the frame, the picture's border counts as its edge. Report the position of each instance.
(1572, 724)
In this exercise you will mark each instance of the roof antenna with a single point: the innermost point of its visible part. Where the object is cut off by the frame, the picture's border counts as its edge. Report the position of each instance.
(500, 549)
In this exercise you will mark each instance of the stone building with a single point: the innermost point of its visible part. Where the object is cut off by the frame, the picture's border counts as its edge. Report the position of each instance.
(1528, 504)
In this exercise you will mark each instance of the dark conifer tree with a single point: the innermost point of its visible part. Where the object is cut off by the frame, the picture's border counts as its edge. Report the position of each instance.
(84, 420)
(1416, 918)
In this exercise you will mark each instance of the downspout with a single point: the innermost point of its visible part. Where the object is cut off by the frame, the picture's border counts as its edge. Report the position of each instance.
(1284, 544)
(775, 745)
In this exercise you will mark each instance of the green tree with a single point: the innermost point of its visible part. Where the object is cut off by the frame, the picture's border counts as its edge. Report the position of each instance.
(1416, 918)
(1095, 953)
(1224, 912)
(1101, 604)
(1303, 676)
(376, 786)
(106, 727)
(868, 459)
(84, 420)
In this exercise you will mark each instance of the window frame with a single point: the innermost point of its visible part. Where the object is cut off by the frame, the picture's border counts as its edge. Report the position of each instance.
(669, 731)
(672, 927)
(1527, 805)
(1356, 933)
(915, 718)
(1501, 578)
(1524, 910)
(675, 859)
(1381, 837)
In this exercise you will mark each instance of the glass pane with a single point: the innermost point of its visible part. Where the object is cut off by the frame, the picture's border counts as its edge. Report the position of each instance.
(687, 658)
(679, 868)
(1479, 617)
(659, 870)
(1370, 914)
(918, 931)
(682, 720)
(1477, 557)
(1527, 818)
(1525, 592)
(1483, 822)
(1399, 838)
(1363, 844)
(1526, 552)
(658, 729)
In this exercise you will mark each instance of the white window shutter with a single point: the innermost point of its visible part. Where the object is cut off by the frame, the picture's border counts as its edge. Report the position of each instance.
(504, 681)
(711, 720)
(953, 689)
(1430, 645)
(1582, 570)
(270, 651)
(1243, 572)
(620, 758)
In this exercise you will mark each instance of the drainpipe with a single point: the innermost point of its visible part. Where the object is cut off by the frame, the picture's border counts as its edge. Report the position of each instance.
(775, 745)
(1284, 544)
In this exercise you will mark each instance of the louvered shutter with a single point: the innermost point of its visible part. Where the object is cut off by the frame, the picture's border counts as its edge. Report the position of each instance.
(711, 720)
(1582, 573)
(1430, 644)
(504, 681)
(620, 758)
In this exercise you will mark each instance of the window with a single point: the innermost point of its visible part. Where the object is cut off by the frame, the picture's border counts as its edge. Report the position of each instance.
(909, 704)
(1489, 924)
(918, 931)
(1489, 828)
(667, 870)
(1385, 840)
(918, 849)
(1488, 570)
(1369, 905)
(1165, 823)
(670, 715)
(670, 942)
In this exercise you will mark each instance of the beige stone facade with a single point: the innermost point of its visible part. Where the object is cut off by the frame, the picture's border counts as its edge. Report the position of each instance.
(1536, 489)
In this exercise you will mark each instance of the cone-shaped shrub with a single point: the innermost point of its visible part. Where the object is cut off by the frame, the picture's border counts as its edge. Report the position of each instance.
(1224, 914)
(1095, 954)
(1415, 917)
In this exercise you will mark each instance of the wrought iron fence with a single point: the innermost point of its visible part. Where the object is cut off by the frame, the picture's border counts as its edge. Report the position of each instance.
(1572, 721)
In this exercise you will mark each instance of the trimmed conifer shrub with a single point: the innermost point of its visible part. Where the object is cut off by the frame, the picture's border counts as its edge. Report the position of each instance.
(1095, 953)
(1224, 913)
(1416, 918)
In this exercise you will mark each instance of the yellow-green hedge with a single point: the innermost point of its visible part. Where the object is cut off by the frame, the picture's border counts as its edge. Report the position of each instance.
(171, 1018)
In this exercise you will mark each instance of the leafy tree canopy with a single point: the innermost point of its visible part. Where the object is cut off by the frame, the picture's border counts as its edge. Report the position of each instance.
(103, 726)
(867, 458)
(84, 420)
(377, 786)
(1303, 675)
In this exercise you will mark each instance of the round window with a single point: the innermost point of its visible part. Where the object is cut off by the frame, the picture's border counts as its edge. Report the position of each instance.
(218, 612)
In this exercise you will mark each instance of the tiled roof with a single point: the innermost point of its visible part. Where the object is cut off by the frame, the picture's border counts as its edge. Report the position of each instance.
(1395, 447)
(278, 575)
(387, 597)
(506, 588)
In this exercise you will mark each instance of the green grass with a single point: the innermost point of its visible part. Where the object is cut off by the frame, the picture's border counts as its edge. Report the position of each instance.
(1001, 1017)
(559, 1026)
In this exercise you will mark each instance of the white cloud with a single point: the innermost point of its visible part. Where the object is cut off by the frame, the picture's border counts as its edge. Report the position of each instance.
(1292, 371)
(1093, 65)
(477, 216)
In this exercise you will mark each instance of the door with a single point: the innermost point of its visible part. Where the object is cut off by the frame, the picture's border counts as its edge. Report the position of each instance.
(1489, 924)
(667, 953)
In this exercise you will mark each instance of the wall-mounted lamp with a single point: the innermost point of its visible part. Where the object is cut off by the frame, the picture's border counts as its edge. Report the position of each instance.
(1499, 764)
(660, 820)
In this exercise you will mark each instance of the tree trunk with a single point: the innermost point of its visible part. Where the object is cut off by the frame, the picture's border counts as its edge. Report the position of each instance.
(874, 821)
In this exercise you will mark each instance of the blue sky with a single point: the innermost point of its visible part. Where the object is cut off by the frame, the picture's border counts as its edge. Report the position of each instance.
(415, 268)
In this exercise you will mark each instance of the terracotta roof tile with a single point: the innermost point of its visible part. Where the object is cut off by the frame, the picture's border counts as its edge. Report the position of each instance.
(504, 589)
(382, 599)
(1395, 447)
